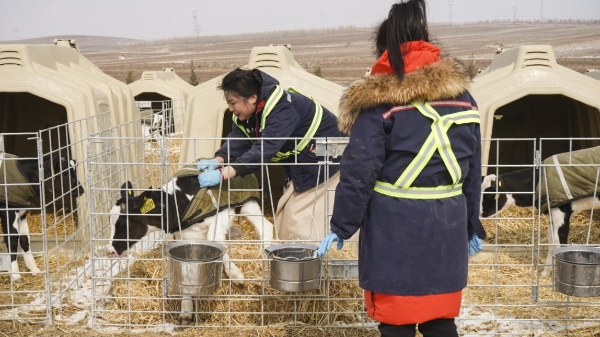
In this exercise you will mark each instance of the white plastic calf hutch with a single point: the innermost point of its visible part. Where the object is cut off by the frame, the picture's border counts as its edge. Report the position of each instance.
(164, 91)
(208, 116)
(593, 73)
(524, 93)
(207, 112)
(54, 94)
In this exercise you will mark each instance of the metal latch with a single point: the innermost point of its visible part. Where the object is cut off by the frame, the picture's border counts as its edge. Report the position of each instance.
(331, 147)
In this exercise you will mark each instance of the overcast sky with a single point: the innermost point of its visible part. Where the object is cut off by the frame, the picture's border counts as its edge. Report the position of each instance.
(157, 19)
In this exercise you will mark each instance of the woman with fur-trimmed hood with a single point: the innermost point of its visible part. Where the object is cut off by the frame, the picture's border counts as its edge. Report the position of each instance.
(410, 179)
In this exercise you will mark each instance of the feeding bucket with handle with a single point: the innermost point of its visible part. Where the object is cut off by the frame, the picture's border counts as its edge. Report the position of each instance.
(295, 267)
(194, 267)
(577, 271)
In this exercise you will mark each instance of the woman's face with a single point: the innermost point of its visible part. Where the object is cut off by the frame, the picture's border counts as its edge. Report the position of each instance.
(242, 107)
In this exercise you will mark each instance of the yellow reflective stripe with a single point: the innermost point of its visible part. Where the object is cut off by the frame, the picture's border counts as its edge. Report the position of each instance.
(438, 192)
(418, 163)
(235, 121)
(310, 133)
(279, 156)
(312, 130)
(425, 153)
(271, 102)
(446, 152)
(439, 128)
(438, 139)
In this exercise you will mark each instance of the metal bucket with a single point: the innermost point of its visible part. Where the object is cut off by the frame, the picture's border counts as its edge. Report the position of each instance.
(295, 267)
(577, 271)
(194, 267)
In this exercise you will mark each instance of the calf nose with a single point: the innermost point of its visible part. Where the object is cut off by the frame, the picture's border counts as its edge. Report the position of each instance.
(80, 190)
(110, 250)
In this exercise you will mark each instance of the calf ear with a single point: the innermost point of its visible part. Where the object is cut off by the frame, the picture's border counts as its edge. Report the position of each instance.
(138, 203)
(126, 190)
(60, 163)
(487, 181)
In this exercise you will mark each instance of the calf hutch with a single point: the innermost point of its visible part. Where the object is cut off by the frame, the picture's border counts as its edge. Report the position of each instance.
(593, 73)
(524, 93)
(52, 101)
(209, 118)
(46, 85)
(532, 109)
(208, 115)
(164, 93)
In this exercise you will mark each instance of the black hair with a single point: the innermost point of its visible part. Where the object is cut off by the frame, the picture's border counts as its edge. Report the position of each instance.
(406, 21)
(380, 38)
(242, 82)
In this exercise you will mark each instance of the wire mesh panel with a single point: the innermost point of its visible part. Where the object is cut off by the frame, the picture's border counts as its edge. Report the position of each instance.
(55, 222)
(507, 294)
(161, 118)
(22, 286)
(134, 289)
(510, 289)
(568, 207)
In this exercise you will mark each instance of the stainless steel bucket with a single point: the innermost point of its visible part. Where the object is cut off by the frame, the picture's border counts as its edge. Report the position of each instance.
(194, 267)
(295, 267)
(577, 271)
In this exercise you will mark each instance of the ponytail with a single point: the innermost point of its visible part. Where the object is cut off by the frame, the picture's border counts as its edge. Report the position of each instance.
(407, 21)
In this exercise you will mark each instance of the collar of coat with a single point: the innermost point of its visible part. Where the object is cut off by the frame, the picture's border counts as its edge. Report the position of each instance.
(444, 79)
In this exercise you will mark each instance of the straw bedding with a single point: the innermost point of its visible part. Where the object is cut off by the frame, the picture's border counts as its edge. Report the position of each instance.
(32, 285)
(253, 303)
(500, 283)
(59, 224)
(506, 279)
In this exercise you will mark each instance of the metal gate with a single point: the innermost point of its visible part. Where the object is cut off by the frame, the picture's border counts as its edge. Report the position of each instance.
(508, 291)
(57, 231)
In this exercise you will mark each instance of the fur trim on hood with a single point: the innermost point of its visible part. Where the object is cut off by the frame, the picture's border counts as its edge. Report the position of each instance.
(444, 79)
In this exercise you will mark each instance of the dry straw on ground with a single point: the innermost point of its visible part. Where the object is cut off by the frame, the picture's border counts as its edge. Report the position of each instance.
(58, 224)
(23, 294)
(507, 279)
(139, 293)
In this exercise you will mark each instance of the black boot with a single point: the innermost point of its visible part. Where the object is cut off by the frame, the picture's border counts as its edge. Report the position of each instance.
(439, 328)
(389, 330)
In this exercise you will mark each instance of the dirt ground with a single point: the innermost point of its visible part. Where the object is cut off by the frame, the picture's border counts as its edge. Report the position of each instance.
(6, 329)
(343, 55)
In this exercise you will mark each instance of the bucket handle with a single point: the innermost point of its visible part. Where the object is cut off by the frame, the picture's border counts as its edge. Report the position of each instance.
(269, 250)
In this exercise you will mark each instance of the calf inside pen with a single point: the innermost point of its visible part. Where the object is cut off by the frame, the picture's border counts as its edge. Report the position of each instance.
(19, 193)
(572, 187)
(172, 209)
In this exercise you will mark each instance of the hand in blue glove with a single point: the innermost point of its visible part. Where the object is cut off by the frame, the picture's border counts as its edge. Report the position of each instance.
(209, 178)
(325, 244)
(207, 164)
(475, 244)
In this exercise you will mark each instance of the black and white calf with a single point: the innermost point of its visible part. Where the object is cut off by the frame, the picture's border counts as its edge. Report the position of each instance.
(515, 189)
(60, 179)
(131, 219)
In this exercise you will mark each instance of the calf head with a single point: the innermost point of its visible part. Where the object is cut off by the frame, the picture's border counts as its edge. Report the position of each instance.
(60, 176)
(133, 217)
(495, 197)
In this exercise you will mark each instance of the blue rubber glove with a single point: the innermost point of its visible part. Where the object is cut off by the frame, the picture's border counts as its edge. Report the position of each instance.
(325, 244)
(209, 178)
(475, 244)
(207, 164)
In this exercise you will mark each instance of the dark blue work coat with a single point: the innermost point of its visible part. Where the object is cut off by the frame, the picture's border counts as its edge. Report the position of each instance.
(290, 118)
(407, 246)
